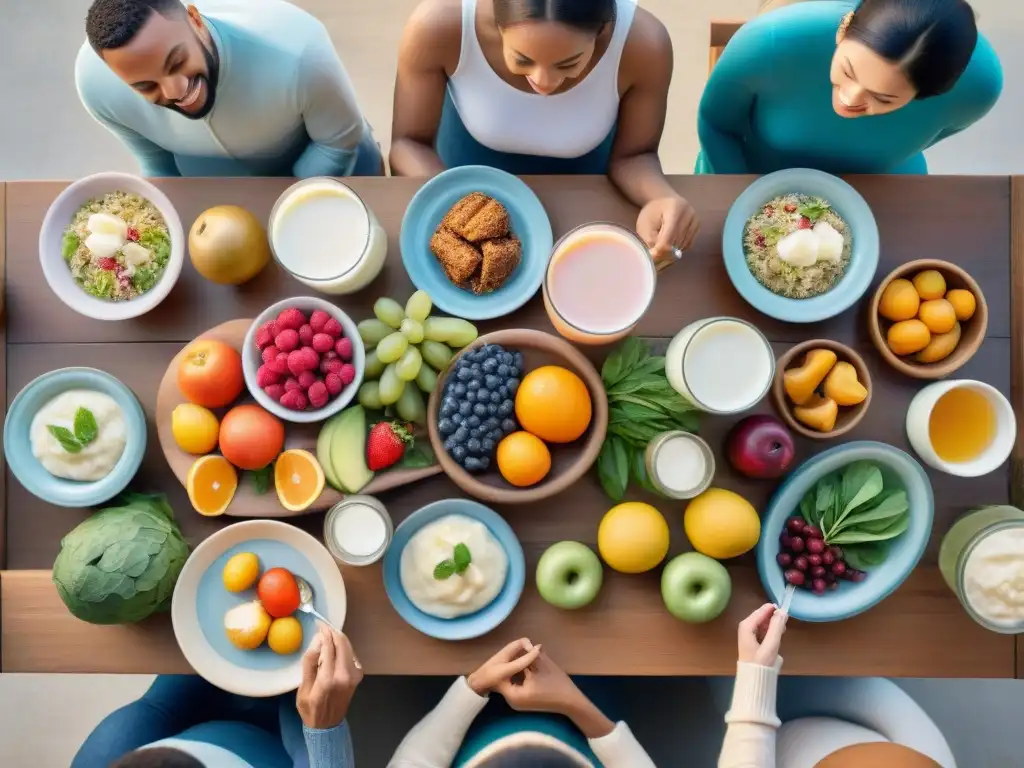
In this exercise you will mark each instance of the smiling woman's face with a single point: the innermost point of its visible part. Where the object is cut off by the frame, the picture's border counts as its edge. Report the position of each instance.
(547, 53)
(864, 83)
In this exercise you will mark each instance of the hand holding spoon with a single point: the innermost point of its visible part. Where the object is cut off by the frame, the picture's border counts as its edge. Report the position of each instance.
(306, 602)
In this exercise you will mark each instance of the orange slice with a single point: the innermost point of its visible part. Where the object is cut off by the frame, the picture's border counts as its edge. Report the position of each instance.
(211, 484)
(298, 478)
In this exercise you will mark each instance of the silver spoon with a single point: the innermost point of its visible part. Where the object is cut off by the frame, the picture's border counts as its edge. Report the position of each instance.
(306, 601)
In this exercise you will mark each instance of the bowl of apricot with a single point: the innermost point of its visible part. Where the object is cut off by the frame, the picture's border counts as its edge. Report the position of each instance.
(928, 318)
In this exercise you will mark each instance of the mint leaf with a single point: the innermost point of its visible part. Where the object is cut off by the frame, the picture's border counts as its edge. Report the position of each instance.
(86, 427)
(462, 558)
(444, 570)
(261, 478)
(66, 438)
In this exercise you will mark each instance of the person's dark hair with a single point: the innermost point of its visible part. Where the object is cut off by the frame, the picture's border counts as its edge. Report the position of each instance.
(113, 23)
(588, 15)
(531, 757)
(157, 757)
(931, 40)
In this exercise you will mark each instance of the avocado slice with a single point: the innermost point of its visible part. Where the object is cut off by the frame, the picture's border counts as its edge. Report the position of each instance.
(348, 450)
(323, 450)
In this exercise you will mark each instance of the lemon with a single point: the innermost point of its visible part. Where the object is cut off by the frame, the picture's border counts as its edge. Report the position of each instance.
(633, 537)
(285, 635)
(721, 524)
(195, 428)
(241, 572)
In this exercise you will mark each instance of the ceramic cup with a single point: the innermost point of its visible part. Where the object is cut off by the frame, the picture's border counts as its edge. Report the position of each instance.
(991, 458)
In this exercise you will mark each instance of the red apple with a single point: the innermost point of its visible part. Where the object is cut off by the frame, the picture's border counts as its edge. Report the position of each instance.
(760, 446)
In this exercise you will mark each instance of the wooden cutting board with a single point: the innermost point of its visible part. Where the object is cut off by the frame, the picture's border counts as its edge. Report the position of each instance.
(247, 502)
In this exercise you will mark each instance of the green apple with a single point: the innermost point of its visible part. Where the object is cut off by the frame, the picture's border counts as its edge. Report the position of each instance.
(569, 575)
(695, 587)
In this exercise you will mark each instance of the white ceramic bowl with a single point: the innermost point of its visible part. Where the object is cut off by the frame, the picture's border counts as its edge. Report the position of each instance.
(251, 360)
(59, 216)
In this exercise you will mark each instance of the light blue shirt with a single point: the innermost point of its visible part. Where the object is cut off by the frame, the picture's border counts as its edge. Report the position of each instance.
(284, 104)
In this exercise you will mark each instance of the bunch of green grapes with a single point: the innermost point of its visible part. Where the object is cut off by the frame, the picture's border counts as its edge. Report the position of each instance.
(406, 346)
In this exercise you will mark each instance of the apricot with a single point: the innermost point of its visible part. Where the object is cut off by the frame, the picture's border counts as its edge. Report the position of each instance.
(899, 301)
(930, 284)
(800, 382)
(819, 413)
(908, 337)
(938, 315)
(940, 347)
(964, 303)
(842, 385)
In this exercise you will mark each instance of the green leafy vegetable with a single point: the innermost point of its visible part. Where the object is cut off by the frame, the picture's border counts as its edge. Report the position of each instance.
(146, 277)
(102, 285)
(66, 438)
(772, 235)
(463, 558)
(261, 478)
(86, 428)
(444, 570)
(159, 243)
(417, 456)
(814, 209)
(68, 245)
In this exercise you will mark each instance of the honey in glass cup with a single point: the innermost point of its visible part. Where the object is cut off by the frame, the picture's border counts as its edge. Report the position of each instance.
(599, 283)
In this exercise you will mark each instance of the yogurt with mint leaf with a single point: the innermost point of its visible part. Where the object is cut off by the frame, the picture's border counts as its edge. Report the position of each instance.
(79, 435)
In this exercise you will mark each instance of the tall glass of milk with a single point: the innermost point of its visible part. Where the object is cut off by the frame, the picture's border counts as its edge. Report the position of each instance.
(326, 237)
(721, 364)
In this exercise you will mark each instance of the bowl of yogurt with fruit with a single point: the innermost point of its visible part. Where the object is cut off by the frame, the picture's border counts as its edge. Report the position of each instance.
(75, 437)
(455, 570)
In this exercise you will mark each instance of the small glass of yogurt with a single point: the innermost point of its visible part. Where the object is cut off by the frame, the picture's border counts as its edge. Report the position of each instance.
(679, 465)
(358, 530)
(326, 237)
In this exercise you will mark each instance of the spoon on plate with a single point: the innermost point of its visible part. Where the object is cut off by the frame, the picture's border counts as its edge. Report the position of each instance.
(306, 601)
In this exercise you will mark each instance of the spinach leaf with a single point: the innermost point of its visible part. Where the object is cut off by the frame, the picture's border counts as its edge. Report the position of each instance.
(862, 481)
(640, 472)
(859, 536)
(882, 509)
(262, 478)
(825, 497)
(866, 556)
(613, 467)
(807, 508)
(68, 245)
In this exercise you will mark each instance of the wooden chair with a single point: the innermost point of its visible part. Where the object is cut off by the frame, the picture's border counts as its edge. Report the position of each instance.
(721, 33)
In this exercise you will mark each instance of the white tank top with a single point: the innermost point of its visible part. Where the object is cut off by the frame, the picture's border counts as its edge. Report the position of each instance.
(564, 125)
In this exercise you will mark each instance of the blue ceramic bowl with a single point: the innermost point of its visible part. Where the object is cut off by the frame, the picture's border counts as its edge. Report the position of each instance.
(18, 444)
(529, 222)
(475, 624)
(899, 469)
(850, 206)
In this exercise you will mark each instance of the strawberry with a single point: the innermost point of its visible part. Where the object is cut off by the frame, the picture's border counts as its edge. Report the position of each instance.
(290, 319)
(386, 444)
(318, 320)
(805, 223)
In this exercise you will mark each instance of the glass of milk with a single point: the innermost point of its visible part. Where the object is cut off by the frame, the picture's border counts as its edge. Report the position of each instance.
(324, 235)
(358, 530)
(679, 465)
(720, 364)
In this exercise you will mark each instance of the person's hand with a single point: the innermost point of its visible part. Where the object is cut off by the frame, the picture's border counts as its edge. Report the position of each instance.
(544, 688)
(760, 635)
(504, 665)
(330, 674)
(665, 224)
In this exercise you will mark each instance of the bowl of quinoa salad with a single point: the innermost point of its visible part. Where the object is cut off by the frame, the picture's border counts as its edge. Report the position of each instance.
(111, 246)
(800, 245)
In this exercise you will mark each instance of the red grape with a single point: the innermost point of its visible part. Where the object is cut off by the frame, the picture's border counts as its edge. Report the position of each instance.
(814, 560)
(797, 544)
(816, 546)
(839, 568)
(813, 532)
(818, 586)
(795, 577)
(800, 563)
(818, 571)
(795, 524)
(784, 559)
(827, 558)
(857, 575)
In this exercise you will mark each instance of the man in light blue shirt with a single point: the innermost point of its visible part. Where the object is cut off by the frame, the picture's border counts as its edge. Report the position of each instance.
(238, 88)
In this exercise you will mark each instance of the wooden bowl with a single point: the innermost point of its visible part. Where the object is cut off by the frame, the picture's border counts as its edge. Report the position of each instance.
(849, 416)
(972, 331)
(569, 462)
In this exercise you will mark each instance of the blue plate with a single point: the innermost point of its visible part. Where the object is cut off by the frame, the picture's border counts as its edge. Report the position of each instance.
(18, 443)
(898, 469)
(529, 222)
(475, 624)
(850, 206)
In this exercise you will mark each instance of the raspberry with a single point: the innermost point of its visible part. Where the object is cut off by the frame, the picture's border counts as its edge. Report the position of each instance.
(294, 400)
(333, 328)
(265, 377)
(347, 373)
(318, 394)
(280, 364)
(291, 319)
(805, 223)
(318, 320)
(297, 361)
(306, 379)
(312, 358)
(329, 355)
(287, 340)
(264, 338)
(333, 383)
(270, 354)
(109, 264)
(133, 234)
(343, 347)
(331, 366)
(274, 392)
(291, 384)
(306, 335)
(322, 343)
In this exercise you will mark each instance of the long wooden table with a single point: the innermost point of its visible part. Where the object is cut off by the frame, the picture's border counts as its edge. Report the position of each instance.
(918, 631)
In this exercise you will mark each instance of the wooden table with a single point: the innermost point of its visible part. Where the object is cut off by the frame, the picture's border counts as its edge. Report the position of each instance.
(918, 631)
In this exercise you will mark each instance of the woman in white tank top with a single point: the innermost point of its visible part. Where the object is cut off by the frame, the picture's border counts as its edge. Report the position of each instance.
(542, 87)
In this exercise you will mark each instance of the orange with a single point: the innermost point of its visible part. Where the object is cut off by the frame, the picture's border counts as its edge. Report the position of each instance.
(899, 301)
(964, 303)
(195, 428)
(210, 373)
(250, 438)
(930, 284)
(211, 484)
(554, 404)
(523, 459)
(298, 478)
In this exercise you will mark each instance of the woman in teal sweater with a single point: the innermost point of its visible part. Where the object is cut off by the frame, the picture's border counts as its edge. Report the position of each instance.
(846, 87)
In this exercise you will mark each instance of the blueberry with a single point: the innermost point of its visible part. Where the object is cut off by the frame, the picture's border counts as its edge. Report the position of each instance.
(489, 366)
(473, 446)
(496, 398)
(459, 390)
(492, 410)
(496, 434)
(472, 384)
(465, 408)
(448, 445)
(456, 419)
(449, 406)
(473, 421)
(492, 382)
(513, 372)
(445, 427)
(471, 395)
(472, 464)
(462, 363)
(508, 426)
(513, 386)
(463, 374)
(518, 360)
(480, 409)
(485, 462)
(477, 433)
(459, 453)
(503, 391)
(487, 445)
(504, 370)
(461, 434)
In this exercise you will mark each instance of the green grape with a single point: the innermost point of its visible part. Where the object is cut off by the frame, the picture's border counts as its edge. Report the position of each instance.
(392, 348)
(390, 386)
(426, 379)
(436, 354)
(453, 330)
(369, 396)
(418, 306)
(412, 330)
(410, 406)
(389, 311)
(408, 365)
(374, 367)
(373, 331)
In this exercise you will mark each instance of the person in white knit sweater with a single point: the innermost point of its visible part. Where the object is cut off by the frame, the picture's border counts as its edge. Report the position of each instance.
(531, 683)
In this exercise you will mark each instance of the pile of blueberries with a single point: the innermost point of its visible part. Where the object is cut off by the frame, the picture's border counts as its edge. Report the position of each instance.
(478, 405)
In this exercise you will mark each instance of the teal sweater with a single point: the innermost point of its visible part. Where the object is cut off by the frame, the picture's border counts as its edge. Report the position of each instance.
(768, 103)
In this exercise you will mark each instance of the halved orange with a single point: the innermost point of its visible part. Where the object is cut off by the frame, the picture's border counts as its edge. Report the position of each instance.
(211, 484)
(298, 478)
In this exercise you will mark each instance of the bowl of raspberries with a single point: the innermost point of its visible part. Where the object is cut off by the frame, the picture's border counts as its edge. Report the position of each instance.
(303, 359)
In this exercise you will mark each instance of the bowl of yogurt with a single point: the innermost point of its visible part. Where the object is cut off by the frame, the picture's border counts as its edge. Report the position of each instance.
(455, 570)
(75, 437)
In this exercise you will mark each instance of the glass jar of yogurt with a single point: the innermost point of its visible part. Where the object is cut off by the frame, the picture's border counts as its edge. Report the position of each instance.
(358, 530)
(324, 235)
(679, 465)
(982, 561)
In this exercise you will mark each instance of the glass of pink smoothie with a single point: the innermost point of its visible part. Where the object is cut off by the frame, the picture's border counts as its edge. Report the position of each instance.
(599, 283)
